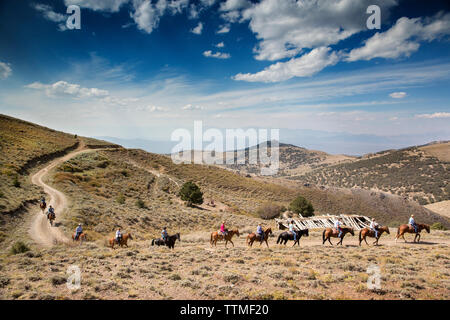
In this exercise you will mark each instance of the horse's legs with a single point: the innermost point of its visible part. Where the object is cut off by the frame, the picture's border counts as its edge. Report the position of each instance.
(232, 243)
(266, 243)
(365, 240)
(329, 240)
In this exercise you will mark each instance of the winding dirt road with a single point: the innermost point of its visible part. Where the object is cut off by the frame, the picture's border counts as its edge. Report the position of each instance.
(40, 230)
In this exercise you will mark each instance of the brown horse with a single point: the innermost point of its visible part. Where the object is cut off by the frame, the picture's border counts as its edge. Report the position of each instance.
(367, 232)
(123, 241)
(253, 236)
(215, 236)
(51, 217)
(407, 228)
(82, 237)
(43, 205)
(333, 233)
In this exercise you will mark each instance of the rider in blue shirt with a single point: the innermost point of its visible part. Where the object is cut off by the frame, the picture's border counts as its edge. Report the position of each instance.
(260, 232)
(78, 231)
(164, 234)
(412, 222)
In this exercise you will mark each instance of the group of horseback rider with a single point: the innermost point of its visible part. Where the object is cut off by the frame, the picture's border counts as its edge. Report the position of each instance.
(259, 231)
(51, 210)
(338, 224)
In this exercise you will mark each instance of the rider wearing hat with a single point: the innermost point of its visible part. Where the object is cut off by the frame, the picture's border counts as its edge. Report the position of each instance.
(412, 222)
(118, 236)
(374, 227)
(337, 226)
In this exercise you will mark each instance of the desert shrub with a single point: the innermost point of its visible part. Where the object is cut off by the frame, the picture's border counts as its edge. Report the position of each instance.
(438, 226)
(191, 193)
(269, 211)
(16, 182)
(1, 194)
(140, 203)
(120, 199)
(302, 206)
(19, 247)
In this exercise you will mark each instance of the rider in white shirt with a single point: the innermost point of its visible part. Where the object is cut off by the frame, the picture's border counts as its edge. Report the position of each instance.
(292, 230)
(118, 236)
(374, 227)
(412, 222)
(337, 225)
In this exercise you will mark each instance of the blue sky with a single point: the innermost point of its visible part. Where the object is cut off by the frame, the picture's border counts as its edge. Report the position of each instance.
(139, 69)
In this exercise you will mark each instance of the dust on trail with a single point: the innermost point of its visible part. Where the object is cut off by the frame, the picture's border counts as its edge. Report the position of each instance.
(40, 230)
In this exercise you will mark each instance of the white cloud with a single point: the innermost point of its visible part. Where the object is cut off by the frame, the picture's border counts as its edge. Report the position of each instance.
(403, 38)
(147, 14)
(223, 29)
(218, 55)
(220, 45)
(233, 9)
(98, 5)
(5, 70)
(119, 101)
(62, 88)
(49, 14)
(284, 28)
(436, 115)
(397, 95)
(192, 107)
(198, 29)
(154, 109)
(304, 66)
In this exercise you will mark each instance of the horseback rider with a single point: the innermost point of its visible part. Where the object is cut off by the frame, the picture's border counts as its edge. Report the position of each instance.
(78, 231)
(118, 236)
(260, 232)
(223, 230)
(338, 225)
(413, 223)
(51, 211)
(164, 234)
(43, 200)
(374, 227)
(292, 230)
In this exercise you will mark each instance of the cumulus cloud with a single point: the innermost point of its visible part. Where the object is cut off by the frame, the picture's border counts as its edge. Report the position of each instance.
(397, 95)
(220, 45)
(304, 66)
(436, 115)
(284, 28)
(218, 55)
(232, 9)
(198, 29)
(63, 88)
(5, 70)
(402, 39)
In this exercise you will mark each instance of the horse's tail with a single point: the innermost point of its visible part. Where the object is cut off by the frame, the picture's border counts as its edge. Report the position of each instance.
(360, 236)
(211, 240)
(248, 239)
(398, 232)
(279, 239)
(153, 242)
(323, 235)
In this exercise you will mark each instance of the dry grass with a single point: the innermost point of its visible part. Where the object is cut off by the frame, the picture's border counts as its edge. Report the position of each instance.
(195, 271)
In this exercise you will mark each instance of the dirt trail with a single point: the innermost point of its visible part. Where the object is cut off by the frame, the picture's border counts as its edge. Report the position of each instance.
(40, 230)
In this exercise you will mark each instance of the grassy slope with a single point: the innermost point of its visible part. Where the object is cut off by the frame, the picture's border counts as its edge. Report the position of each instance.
(22, 145)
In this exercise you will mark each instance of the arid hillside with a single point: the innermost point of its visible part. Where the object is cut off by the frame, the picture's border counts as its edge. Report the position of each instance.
(419, 173)
(104, 187)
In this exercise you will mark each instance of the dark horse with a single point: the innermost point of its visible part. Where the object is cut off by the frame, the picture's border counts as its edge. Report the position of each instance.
(287, 235)
(170, 242)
